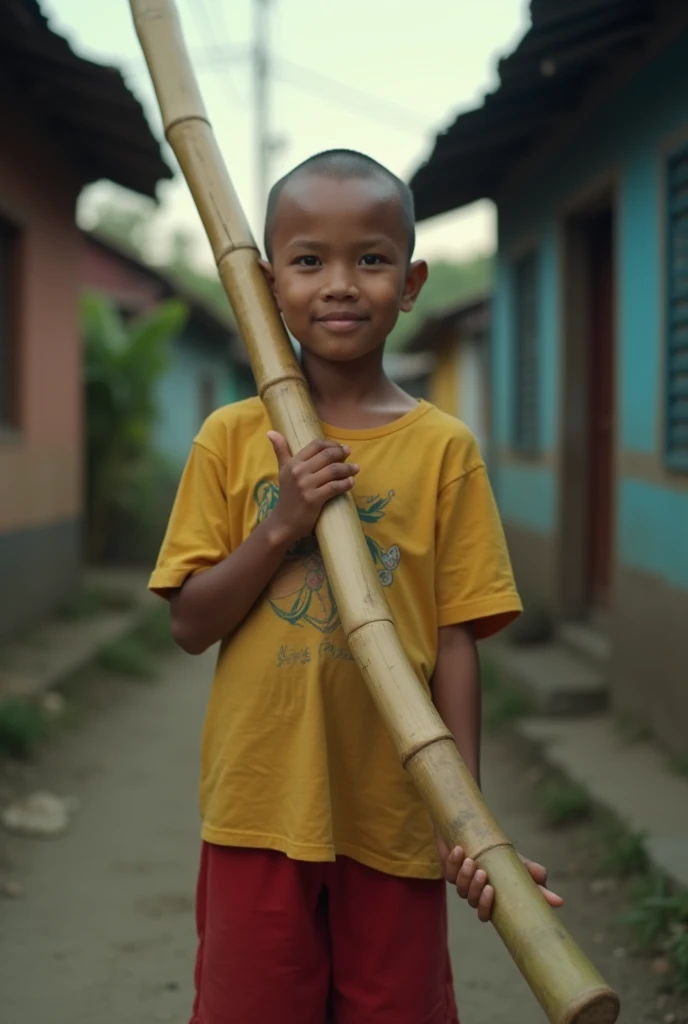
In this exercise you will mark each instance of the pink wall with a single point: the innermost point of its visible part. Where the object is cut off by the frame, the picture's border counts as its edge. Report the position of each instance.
(41, 460)
(105, 272)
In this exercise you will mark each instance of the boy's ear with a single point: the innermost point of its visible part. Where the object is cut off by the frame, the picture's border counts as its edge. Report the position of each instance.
(269, 273)
(416, 276)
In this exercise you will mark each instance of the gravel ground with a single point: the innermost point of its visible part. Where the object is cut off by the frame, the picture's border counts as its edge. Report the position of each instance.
(97, 924)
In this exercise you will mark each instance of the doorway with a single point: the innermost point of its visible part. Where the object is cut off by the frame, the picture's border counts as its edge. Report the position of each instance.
(600, 489)
(589, 413)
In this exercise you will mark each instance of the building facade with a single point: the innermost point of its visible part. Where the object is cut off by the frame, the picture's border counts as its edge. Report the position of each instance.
(590, 338)
(51, 148)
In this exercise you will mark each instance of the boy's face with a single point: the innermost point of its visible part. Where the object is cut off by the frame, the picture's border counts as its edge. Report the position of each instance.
(340, 270)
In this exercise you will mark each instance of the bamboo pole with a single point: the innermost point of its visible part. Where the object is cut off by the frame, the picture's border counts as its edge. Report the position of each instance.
(564, 981)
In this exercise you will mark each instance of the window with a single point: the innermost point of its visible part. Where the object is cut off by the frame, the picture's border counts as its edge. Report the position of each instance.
(526, 368)
(677, 313)
(8, 291)
(208, 396)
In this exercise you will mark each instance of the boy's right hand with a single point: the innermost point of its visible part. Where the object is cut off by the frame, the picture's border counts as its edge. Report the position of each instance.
(306, 481)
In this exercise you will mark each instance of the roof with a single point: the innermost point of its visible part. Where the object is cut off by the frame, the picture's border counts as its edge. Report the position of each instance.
(471, 316)
(171, 286)
(569, 46)
(86, 105)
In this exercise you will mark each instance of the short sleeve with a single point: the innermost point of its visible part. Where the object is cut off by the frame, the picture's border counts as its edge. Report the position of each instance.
(473, 576)
(197, 535)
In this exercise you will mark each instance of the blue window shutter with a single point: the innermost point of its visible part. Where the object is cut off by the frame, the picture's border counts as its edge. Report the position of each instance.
(677, 313)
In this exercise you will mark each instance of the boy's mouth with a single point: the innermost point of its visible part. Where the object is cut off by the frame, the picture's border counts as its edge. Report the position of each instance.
(344, 320)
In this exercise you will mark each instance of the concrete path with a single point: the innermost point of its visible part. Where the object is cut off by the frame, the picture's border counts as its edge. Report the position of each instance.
(104, 933)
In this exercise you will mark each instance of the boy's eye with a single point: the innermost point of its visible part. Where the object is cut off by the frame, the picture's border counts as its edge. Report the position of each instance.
(372, 259)
(308, 261)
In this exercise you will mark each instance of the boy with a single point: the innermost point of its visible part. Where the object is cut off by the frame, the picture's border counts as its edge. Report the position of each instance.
(320, 874)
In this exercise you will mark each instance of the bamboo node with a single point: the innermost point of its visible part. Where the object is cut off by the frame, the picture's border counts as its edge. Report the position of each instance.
(234, 247)
(368, 622)
(274, 381)
(492, 846)
(184, 120)
(440, 738)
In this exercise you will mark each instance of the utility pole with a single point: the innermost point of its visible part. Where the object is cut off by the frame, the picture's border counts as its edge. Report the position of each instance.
(267, 144)
(261, 72)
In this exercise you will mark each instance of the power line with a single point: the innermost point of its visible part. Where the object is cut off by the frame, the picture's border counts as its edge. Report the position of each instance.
(208, 34)
(331, 89)
(349, 96)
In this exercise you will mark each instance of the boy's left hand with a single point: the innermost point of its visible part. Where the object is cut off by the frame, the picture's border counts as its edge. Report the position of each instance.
(471, 881)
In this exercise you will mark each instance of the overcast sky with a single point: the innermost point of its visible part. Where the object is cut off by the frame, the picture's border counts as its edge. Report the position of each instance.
(417, 71)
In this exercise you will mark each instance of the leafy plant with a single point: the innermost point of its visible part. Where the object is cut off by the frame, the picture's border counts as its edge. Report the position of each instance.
(123, 364)
(90, 601)
(154, 632)
(128, 656)
(679, 764)
(659, 915)
(563, 802)
(624, 852)
(23, 725)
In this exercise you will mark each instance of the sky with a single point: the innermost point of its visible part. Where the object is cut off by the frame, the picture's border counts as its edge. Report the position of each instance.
(382, 77)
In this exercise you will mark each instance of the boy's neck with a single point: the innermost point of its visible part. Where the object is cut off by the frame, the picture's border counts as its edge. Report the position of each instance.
(354, 395)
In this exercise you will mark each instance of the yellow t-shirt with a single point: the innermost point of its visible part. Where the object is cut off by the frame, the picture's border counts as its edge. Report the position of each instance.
(295, 756)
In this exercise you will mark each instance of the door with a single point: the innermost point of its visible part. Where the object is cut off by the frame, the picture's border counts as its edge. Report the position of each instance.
(600, 428)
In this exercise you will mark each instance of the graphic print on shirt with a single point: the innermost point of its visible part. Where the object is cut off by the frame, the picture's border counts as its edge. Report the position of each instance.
(300, 592)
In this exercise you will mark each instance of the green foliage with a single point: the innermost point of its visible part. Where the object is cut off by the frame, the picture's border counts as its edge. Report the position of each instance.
(90, 601)
(448, 284)
(679, 764)
(659, 917)
(123, 365)
(154, 632)
(128, 656)
(563, 802)
(623, 853)
(503, 703)
(677, 949)
(23, 725)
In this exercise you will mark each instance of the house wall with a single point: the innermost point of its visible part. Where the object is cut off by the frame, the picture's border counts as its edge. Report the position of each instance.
(624, 143)
(179, 396)
(102, 271)
(40, 455)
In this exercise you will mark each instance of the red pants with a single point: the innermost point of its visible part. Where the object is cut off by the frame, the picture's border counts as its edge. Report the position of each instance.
(281, 940)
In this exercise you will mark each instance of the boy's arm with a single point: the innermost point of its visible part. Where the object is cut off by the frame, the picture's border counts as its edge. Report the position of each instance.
(457, 697)
(456, 691)
(211, 604)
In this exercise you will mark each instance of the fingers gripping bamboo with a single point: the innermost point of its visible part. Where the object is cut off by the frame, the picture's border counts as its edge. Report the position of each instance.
(561, 977)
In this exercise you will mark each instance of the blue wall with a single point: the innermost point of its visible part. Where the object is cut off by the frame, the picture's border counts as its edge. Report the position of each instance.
(629, 135)
(179, 397)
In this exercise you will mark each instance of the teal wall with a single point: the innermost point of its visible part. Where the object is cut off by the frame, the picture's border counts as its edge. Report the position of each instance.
(628, 136)
(179, 396)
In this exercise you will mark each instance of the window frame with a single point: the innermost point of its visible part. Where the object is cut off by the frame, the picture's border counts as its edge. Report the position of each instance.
(675, 349)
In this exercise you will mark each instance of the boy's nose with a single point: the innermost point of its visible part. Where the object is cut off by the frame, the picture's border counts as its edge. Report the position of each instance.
(340, 285)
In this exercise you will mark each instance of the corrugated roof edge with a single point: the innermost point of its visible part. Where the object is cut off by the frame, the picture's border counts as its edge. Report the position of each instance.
(131, 156)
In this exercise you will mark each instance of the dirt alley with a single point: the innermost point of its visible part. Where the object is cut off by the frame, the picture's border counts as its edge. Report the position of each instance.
(104, 932)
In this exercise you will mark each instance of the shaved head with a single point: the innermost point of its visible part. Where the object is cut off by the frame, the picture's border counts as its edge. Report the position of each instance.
(342, 165)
